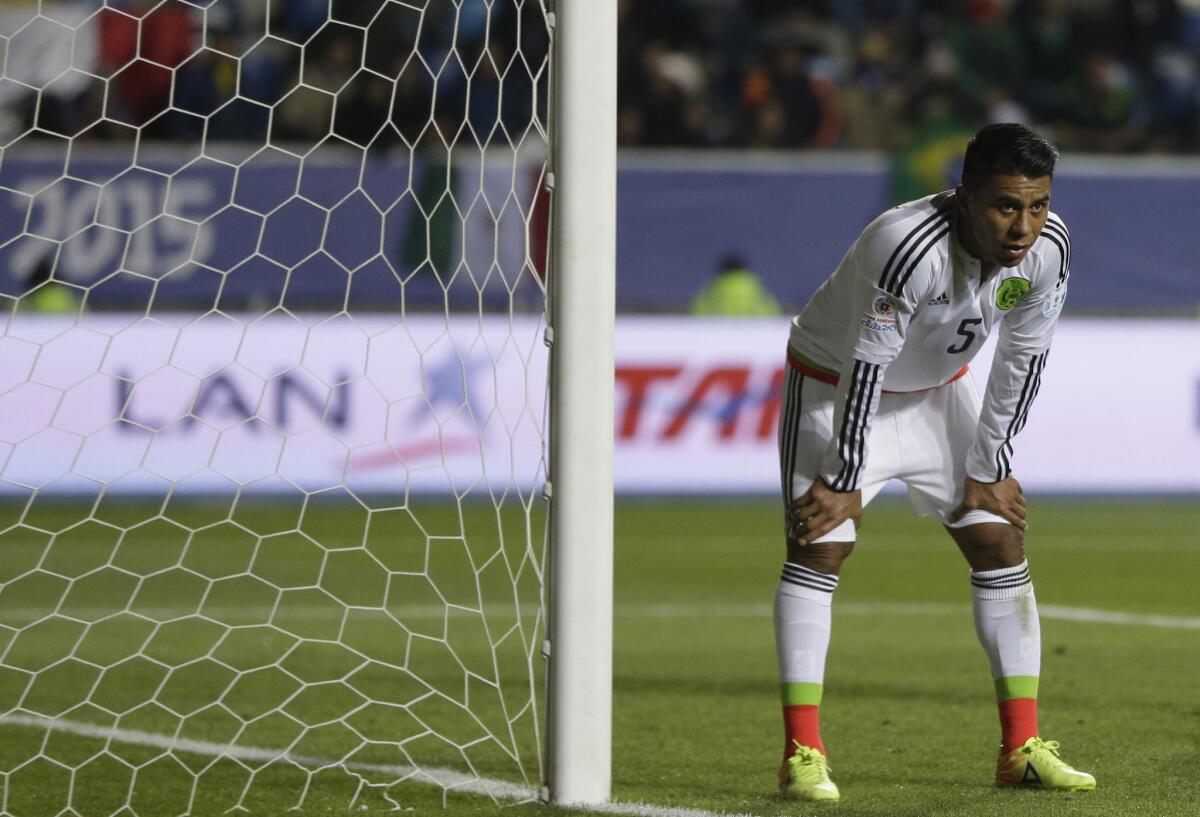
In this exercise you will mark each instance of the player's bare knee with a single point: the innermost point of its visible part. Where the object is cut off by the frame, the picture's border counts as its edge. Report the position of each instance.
(1009, 545)
(823, 557)
(990, 546)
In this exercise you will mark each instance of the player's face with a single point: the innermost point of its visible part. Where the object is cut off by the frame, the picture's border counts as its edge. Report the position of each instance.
(1004, 218)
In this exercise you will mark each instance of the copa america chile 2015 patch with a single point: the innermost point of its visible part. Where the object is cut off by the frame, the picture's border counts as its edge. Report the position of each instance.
(882, 317)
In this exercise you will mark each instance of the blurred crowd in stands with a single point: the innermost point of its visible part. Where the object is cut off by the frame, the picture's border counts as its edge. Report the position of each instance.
(1097, 75)
(372, 72)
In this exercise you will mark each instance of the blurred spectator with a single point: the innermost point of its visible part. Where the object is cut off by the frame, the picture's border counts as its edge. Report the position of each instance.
(45, 295)
(734, 291)
(661, 97)
(1049, 37)
(985, 46)
(791, 107)
(139, 43)
(874, 98)
(1102, 107)
(928, 160)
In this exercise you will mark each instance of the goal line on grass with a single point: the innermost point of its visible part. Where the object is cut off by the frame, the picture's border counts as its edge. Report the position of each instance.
(447, 779)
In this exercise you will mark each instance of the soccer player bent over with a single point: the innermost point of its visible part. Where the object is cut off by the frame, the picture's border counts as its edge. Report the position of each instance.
(877, 389)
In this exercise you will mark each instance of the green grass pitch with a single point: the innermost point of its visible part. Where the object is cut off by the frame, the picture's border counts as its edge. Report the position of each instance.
(908, 717)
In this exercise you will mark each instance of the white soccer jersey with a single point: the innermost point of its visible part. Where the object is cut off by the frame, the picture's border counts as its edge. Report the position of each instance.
(906, 310)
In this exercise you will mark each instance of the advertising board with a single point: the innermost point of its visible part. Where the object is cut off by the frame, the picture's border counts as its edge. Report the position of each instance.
(458, 406)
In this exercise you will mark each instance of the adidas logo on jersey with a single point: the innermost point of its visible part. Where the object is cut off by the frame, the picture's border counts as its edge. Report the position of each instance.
(940, 300)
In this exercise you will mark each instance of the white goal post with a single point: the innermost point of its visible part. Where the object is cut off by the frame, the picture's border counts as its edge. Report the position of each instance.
(582, 294)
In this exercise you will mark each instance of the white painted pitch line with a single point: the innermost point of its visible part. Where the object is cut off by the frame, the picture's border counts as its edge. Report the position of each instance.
(25, 615)
(646, 810)
(1094, 616)
(868, 608)
(445, 778)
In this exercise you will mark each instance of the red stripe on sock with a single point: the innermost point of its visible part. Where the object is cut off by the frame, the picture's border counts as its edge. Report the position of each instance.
(1018, 722)
(802, 724)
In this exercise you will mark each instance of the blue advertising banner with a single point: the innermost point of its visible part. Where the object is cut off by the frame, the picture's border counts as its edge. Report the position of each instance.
(397, 233)
(791, 221)
(274, 229)
(792, 218)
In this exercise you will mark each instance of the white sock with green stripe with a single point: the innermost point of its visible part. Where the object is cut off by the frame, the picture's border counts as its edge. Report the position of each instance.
(1006, 621)
(803, 615)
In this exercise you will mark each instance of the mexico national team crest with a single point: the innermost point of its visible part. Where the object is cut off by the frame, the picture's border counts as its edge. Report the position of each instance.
(1010, 293)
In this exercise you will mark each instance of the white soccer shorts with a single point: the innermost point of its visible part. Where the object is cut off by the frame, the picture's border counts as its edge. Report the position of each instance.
(920, 438)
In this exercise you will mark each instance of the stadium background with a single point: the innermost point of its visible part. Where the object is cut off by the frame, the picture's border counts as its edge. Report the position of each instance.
(769, 129)
(749, 99)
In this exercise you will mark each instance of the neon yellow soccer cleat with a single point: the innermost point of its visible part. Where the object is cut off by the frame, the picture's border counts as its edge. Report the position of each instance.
(1037, 764)
(805, 776)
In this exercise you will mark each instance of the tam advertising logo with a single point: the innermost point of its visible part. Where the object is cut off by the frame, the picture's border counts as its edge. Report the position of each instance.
(698, 404)
(729, 403)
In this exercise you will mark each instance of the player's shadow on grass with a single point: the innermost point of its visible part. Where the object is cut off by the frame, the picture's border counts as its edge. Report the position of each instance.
(976, 783)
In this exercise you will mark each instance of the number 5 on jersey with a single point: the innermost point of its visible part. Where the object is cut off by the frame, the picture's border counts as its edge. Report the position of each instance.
(967, 333)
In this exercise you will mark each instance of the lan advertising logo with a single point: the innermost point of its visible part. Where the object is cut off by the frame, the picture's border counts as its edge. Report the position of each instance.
(443, 412)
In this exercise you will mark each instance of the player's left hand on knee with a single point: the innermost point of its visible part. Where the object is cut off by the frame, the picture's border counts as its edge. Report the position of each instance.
(1004, 498)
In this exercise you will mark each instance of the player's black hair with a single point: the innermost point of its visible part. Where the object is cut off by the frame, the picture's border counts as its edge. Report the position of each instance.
(1007, 149)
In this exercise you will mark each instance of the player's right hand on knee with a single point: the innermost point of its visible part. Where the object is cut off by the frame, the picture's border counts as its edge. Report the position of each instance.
(1004, 498)
(821, 509)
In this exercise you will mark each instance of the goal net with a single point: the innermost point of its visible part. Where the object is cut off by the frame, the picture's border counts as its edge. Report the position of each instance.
(273, 390)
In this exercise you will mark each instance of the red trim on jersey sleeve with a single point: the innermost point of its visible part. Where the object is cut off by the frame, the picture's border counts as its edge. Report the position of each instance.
(809, 369)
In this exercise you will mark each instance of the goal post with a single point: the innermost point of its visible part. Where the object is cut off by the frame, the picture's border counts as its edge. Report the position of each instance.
(582, 294)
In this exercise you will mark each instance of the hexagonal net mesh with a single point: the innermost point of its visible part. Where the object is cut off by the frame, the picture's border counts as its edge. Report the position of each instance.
(272, 403)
